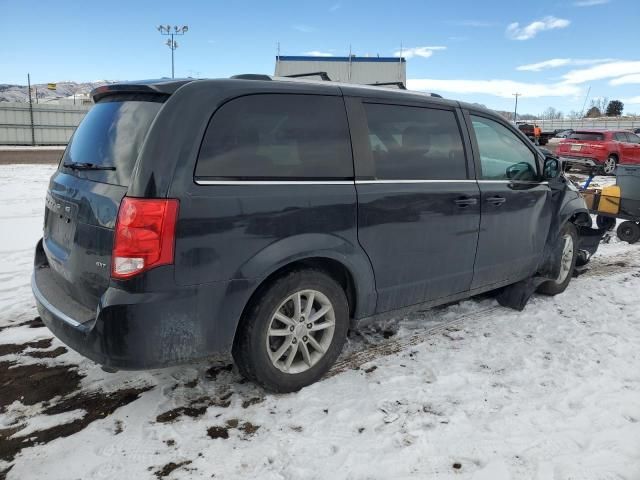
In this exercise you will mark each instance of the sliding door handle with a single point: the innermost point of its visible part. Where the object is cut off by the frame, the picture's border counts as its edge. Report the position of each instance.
(464, 202)
(497, 200)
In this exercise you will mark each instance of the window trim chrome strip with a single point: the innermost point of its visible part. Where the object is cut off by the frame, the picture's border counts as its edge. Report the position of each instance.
(366, 182)
(274, 182)
(356, 182)
(525, 182)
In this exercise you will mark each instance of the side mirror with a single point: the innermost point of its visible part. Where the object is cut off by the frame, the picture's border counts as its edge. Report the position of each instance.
(552, 168)
(520, 171)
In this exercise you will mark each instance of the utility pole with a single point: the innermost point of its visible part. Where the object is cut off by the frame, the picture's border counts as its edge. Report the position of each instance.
(33, 133)
(515, 110)
(171, 43)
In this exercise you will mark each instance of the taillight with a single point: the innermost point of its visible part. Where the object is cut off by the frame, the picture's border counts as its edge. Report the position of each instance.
(144, 236)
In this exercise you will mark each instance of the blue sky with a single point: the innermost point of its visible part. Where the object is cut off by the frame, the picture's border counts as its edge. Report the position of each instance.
(550, 51)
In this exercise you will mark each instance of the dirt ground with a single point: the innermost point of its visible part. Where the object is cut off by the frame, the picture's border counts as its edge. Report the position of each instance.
(22, 155)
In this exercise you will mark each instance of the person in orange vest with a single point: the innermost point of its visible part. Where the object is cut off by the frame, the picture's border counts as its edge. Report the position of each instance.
(536, 134)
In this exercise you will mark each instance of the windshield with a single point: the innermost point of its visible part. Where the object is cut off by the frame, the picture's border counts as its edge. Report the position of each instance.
(587, 136)
(110, 135)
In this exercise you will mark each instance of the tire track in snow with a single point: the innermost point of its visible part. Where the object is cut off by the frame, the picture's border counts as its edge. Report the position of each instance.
(373, 352)
(607, 267)
(614, 266)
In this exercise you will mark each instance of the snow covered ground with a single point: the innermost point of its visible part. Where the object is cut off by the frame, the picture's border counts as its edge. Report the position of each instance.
(468, 391)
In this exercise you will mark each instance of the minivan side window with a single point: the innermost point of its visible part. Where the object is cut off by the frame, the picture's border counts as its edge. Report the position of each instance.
(277, 137)
(415, 143)
(503, 156)
(621, 137)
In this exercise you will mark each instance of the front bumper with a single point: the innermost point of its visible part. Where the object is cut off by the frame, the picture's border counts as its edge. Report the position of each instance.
(141, 330)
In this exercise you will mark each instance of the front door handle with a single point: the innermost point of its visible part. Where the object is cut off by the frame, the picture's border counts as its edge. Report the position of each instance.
(497, 200)
(464, 202)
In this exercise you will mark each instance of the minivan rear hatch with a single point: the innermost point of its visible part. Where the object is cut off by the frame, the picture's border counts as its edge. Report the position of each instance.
(85, 193)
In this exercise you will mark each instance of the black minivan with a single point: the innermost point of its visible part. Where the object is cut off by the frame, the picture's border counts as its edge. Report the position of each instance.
(264, 217)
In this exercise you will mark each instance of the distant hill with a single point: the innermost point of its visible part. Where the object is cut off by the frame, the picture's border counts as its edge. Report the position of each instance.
(19, 93)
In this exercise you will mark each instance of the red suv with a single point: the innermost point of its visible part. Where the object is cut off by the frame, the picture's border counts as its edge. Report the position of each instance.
(600, 149)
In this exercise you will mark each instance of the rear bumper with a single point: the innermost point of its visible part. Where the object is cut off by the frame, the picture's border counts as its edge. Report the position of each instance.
(139, 331)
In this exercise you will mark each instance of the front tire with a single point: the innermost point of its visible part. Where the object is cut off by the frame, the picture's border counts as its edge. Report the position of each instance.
(567, 248)
(293, 331)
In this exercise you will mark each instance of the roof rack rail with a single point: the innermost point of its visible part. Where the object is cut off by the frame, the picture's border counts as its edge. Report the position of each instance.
(400, 85)
(323, 75)
(251, 76)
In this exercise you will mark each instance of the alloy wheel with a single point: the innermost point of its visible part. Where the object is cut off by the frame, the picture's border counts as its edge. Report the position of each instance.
(566, 259)
(300, 331)
(609, 166)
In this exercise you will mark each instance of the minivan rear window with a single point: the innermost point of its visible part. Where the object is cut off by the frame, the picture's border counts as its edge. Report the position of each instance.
(587, 136)
(277, 137)
(111, 135)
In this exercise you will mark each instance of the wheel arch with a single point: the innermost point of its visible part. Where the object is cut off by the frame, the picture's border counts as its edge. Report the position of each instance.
(581, 219)
(330, 266)
(342, 260)
(571, 210)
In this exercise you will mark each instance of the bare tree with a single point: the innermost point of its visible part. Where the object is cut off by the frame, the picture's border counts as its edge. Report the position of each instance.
(600, 103)
(551, 114)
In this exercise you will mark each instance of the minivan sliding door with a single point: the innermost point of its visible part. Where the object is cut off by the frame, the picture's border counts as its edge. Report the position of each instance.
(418, 212)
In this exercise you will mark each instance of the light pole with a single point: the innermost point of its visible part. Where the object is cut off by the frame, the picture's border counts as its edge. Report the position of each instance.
(171, 43)
(515, 110)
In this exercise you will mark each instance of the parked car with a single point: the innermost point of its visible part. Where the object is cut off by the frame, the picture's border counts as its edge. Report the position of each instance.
(263, 218)
(563, 133)
(600, 150)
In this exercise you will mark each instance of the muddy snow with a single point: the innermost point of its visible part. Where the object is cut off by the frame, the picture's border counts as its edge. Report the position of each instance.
(467, 391)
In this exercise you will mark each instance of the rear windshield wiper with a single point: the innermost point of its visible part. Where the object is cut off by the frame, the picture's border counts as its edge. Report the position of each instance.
(87, 166)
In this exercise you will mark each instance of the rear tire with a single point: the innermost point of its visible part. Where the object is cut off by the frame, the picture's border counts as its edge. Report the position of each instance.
(285, 341)
(567, 250)
(610, 164)
(628, 232)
